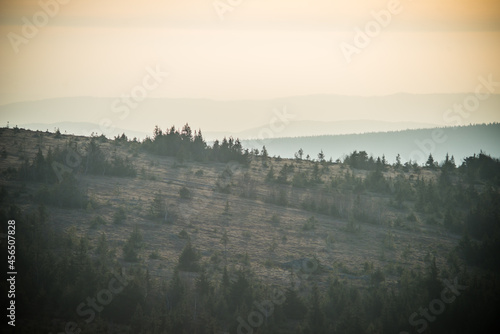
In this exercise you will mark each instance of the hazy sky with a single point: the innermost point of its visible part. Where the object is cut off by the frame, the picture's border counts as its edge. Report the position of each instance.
(260, 49)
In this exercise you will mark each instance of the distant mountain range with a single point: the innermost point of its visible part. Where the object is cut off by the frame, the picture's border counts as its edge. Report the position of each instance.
(314, 128)
(415, 145)
(304, 115)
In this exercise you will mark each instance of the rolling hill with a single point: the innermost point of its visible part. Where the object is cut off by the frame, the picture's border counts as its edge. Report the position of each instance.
(263, 224)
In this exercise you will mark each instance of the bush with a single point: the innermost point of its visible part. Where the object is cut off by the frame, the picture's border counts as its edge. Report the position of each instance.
(310, 224)
(223, 188)
(120, 216)
(130, 254)
(121, 167)
(411, 217)
(66, 194)
(275, 219)
(154, 255)
(300, 180)
(183, 234)
(97, 221)
(377, 277)
(246, 235)
(431, 221)
(185, 193)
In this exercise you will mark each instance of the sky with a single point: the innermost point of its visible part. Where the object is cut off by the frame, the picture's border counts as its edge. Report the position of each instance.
(245, 49)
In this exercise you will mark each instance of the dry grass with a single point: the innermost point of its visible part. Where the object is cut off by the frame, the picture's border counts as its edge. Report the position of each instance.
(248, 221)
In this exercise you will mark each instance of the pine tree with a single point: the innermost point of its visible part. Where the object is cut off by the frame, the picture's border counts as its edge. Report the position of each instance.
(316, 315)
(224, 240)
(203, 284)
(188, 260)
(430, 162)
(298, 155)
(270, 175)
(294, 307)
(398, 161)
(321, 156)
(264, 153)
(158, 206)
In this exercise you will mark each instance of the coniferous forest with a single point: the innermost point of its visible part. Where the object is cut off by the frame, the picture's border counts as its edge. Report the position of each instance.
(176, 235)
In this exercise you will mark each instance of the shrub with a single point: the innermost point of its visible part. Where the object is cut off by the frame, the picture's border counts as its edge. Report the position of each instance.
(120, 216)
(154, 255)
(300, 180)
(246, 235)
(121, 167)
(431, 221)
(411, 217)
(185, 193)
(97, 221)
(310, 224)
(223, 187)
(130, 254)
(389, 241)
(183, 234)
(330, 240)
(275, 219)
(66, 194)
(377, 277)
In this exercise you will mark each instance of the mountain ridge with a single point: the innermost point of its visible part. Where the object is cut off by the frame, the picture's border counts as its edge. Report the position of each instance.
(243, 115)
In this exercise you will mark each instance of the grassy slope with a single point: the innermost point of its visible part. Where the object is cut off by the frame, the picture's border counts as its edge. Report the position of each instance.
(248, 222)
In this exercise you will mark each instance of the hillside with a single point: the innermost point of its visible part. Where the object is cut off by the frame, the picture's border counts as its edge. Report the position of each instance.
(358, 225)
